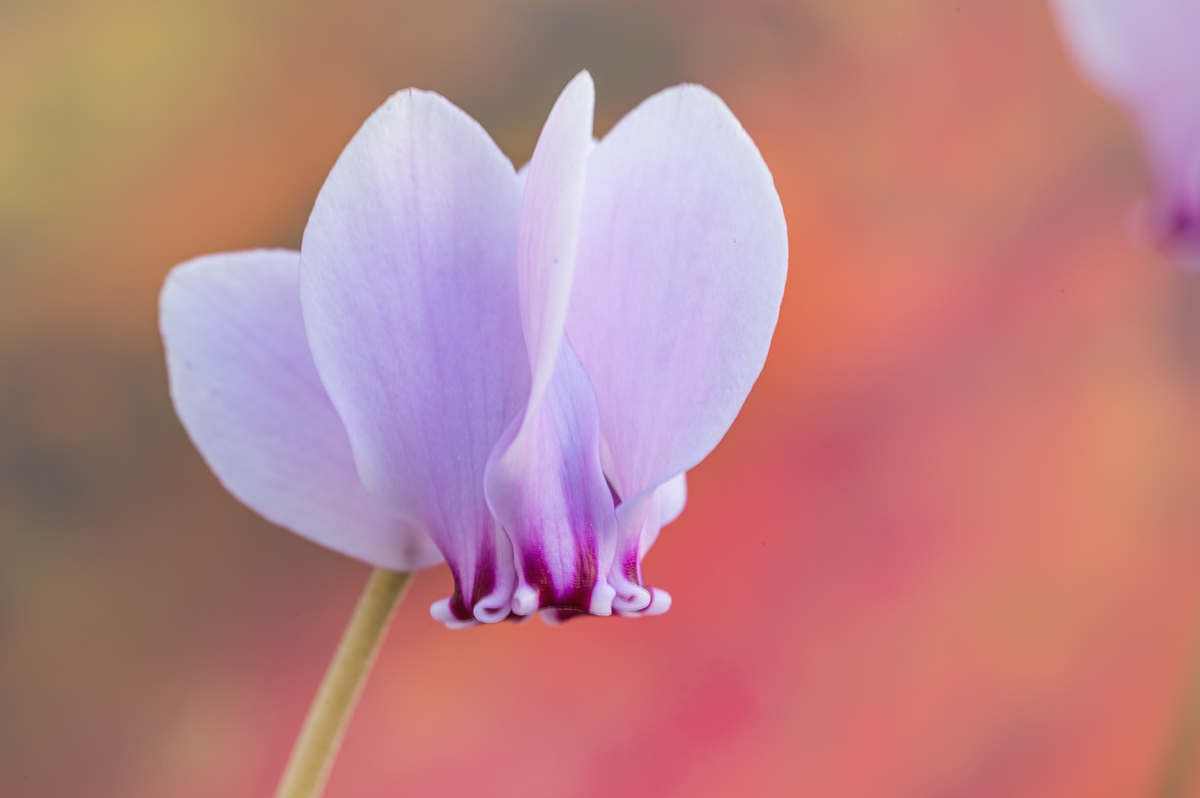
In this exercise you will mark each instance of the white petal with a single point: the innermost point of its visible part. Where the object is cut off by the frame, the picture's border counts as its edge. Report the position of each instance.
(679, 276)
(246, 389)
(409, 286)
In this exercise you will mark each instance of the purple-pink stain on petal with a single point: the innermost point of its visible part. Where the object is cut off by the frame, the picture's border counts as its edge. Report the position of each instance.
(576, 596)
(515, 371)
(482, 582)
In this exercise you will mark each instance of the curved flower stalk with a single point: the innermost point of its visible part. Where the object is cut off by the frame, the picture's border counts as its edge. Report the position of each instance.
(1146, 55)
(514, 370)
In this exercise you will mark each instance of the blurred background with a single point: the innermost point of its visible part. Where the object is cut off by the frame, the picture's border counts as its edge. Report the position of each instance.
(950, 548)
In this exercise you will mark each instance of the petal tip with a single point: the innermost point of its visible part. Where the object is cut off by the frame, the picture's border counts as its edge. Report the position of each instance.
(581, 78)
(490, 614)
(637, 600)
(659, 603)
(603, 595)
(525, 600)
(440, 611)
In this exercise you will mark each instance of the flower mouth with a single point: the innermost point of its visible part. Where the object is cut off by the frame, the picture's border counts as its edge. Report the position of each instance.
(498, 592)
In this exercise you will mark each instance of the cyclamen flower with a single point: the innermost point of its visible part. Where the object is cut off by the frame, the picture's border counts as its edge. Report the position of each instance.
(512, 369)
(1146, 54)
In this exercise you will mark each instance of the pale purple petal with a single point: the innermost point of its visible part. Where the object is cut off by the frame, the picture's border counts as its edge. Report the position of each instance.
(679, 275)
(1146, 55)
(548, 230)
(544, 483)
(547, 490)
(672, 496)
(246, 389)
(667, 505)
(409, 287)
(522, 174)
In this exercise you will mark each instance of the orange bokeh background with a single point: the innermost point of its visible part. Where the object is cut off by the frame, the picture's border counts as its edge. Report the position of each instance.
(949, 549)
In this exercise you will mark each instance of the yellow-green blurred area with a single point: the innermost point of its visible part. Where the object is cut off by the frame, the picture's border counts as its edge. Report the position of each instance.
(951, 548)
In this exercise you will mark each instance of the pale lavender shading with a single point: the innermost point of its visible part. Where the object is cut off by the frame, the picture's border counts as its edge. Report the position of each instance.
(679, 277)
(409, 286)
(669, 500)
(548, 226)
(547, 489)
(1146, 55)
(544, 482)
(247, 392)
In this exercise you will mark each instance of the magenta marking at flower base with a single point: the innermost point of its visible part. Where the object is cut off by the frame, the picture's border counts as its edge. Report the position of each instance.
(511, 372)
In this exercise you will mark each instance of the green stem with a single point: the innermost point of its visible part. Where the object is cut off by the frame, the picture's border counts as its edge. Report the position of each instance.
(312, 758)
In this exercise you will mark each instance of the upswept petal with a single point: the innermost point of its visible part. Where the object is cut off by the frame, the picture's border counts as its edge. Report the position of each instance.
(548, 492)
(409, 285)
(669, 501)
(548, 230)
(1144, 53)
(680, 270)
(663, 505)
(245, 387)
(544, 482)
(672, 496)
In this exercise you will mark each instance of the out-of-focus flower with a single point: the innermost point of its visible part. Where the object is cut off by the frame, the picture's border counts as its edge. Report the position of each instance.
(1146, 54)
(515, 368)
